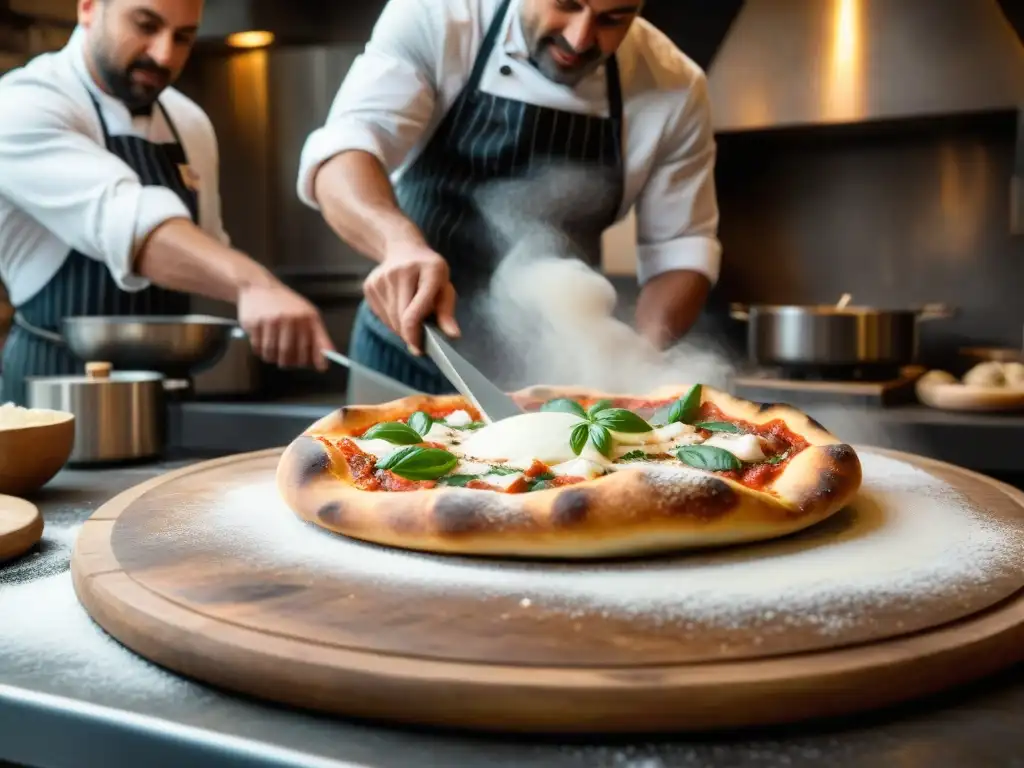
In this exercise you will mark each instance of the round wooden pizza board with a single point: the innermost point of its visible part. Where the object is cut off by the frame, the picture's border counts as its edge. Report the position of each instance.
(21, 527)
(178, 577)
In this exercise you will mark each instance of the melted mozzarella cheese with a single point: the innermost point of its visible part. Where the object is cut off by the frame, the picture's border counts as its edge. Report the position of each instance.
(377, 447)
(743, 447)
(459, 419)
(501, 481)
(665, 434)
(518, 440)
(578, 468)
(471, 468)
(440, 433)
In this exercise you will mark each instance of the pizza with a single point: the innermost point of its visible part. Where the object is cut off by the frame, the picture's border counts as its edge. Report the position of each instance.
(579, 474)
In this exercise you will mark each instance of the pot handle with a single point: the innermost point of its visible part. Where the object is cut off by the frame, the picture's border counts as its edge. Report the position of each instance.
(936, 312)
(739, 312)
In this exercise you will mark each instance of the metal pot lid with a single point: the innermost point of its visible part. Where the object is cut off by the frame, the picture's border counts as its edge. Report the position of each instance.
(100, 373)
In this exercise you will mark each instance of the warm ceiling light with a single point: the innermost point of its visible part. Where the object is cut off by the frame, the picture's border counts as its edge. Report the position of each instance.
(253, 39)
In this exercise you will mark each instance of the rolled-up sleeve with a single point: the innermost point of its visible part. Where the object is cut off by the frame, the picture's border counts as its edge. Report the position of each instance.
(54, 171)
(386, 101)
(677, 211)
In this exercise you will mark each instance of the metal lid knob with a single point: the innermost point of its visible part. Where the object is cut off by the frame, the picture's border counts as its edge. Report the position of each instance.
(98, 370)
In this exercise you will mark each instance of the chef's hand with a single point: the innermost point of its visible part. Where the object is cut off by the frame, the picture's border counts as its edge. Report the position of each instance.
(283, 327)
(408, 286)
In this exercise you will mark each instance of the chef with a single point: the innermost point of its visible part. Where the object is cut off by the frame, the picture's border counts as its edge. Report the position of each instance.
(109, 199)
(451, 96)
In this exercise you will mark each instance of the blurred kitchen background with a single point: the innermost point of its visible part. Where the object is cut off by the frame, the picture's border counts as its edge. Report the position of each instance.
(865, 146)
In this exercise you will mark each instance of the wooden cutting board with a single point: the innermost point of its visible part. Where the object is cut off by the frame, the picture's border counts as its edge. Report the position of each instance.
(207, 573)
(21, 527)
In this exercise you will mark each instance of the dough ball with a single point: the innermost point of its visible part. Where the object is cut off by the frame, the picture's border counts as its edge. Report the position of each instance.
(1014, 374)
(989, 374)
(938, 377)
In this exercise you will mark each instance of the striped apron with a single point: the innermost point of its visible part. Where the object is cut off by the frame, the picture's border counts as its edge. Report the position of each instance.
(84, 286)
(484, 140)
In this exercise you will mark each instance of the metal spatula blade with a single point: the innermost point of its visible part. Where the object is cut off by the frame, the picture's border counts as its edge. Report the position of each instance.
(388, 388)
(492, 403)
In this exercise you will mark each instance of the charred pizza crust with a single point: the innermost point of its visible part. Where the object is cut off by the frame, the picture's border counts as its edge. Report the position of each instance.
(628, 512)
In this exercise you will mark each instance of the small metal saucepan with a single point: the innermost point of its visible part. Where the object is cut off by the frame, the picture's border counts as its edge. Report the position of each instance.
(833, 335)
(119, 415)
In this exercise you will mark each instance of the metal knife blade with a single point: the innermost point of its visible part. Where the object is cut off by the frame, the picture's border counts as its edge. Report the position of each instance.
(493, 404)
(389, 387)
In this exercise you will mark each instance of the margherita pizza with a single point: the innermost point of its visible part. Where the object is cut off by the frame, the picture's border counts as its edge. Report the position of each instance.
(579, 474)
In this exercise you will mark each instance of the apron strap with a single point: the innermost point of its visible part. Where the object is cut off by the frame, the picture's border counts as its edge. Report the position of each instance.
(487, 46)
(159, 105)
(611, 67)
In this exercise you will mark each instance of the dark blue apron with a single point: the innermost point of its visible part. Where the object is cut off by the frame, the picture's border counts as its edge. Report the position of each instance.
(483, 140)
(84, 286)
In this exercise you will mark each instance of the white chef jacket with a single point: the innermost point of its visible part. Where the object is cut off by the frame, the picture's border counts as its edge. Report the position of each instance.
(420, 56)
(61, 190)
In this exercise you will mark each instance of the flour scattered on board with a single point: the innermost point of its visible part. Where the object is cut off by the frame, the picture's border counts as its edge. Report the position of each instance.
(909, 540)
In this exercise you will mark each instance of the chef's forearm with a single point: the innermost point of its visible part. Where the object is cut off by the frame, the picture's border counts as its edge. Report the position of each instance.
(670, 304)
(357, 201)
(180, 256)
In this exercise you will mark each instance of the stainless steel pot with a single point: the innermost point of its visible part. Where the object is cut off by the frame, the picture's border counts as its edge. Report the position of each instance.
(831, 335)
(119, 415)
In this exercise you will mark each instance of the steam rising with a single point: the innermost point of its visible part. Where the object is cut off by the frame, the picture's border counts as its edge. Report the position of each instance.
(553, 315)
(551, 320)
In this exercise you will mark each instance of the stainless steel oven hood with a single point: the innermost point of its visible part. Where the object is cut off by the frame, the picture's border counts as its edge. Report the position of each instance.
(304, 22)
(790, 63)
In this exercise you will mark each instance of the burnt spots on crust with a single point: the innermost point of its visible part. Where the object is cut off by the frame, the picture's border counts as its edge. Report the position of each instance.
(570, 507)
(702, 498)
(838, 470)
(332, 514)
(311, 460)
(841, 454)
(458, 514)
(762, 407)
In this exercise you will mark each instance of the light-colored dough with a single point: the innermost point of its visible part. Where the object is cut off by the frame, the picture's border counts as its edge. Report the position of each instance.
(1014, 375)
(987, 374)
(938, 377)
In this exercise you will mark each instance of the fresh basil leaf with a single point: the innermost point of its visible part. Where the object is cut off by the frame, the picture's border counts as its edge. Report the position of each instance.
(685, 408)
(421, 422)
(565, 405)
(597, 407)
(621, 420)
(417, 463)
(601, 438)
(634, 456)
(708, 457)
(718, 426)
(540, 482)
(498, 469)
(578, 437)
(394, 432)
(457, 481)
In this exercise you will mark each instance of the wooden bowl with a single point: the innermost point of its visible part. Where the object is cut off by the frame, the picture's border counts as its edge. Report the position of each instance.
(32, 453)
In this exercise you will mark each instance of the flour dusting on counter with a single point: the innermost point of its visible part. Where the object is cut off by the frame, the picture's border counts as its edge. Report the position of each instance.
(52, 626)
